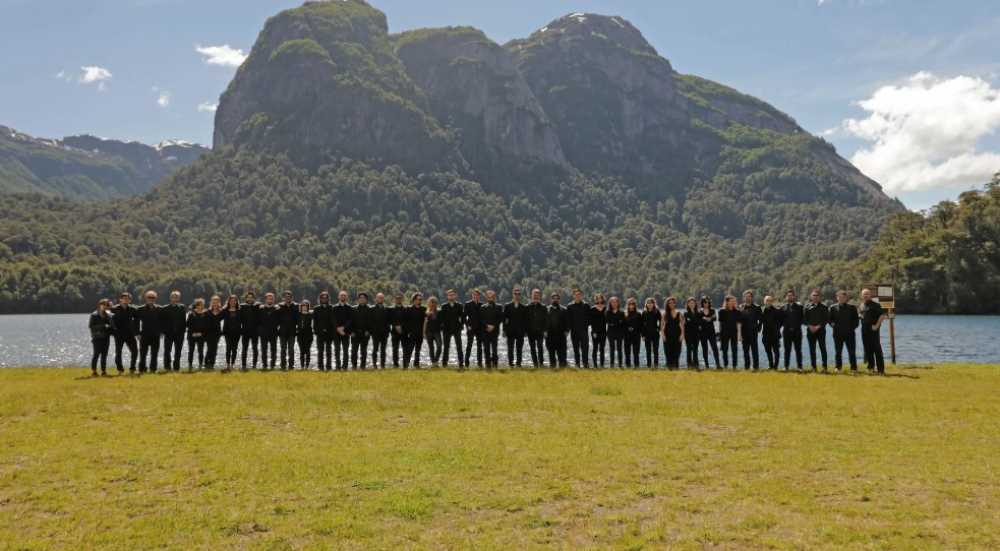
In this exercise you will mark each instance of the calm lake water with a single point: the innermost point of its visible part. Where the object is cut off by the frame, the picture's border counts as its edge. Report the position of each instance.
(60, 340)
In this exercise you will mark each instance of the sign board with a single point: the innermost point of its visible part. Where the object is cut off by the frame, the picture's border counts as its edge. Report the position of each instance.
(885, 295)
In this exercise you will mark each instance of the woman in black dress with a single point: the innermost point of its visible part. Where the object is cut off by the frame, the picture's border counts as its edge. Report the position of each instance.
(651, 319)
(432, 331)
(598, 330)
(232, 328)
(616, 331)
(100, 336)
(673, 333)
(706, 331)
(214, 332)
(304, 334)
(692, 326)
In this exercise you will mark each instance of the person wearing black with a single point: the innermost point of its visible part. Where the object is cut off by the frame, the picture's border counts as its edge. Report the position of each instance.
(844, 318)
(288, 319)
(396, 315)
(452, 320)
(231, 330)
(515, 322)
(492, 317)
(633, 333)
(324, 330)
(771, 322)
(267, 317)
(729, 330)
(342, 316)
(249, 330)
(100, 336)
(651, 320)
(556, 327)
(380, 329)
(872, 316)
(413, 331)
(751, 322)
(214, 333)
(615, 319)
(672, 327)
(172, 321)
(692, 333)
(578, 313)
(432, 330)
(474, 328)
(361, 327)
(150, 328)
(792, 319)
(706, 331)
(304, 334)
(598, 330)
(123, 320)
(198, 326)
(537, 316)
(816, 316)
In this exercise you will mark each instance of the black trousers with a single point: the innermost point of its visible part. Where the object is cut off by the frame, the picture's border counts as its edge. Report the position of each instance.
(751, 351)
(580, 344)
(849, 341)
(872, 343)
(232, 350)
(133, 351)
(652, 343)
(341, 351)
(477, 336)
(632, 349)
(101, 347)
(691, 345)
(211, 350)
(305, 350)
(269, 347)
(490, 343)
(617, 346)
(378, 350)
(672, 349)
(172, 344)
(287, 343)
(455, 337)
(556, 344)
(397, 343)
(598, 345)
(515, 349)
(434, 344)
(359, 350)
(728, 349)
(535, 344)
(148, 346)
(817, 339)
(708, 341)
(324, 351)
(249, 341)
(772, 347)
(793, 340)
(411, 350)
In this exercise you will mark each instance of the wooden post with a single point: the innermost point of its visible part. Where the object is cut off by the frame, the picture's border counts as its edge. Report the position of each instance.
(892, 335)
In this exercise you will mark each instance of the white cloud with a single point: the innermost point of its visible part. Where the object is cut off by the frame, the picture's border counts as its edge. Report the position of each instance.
(91, 74)
(925, 132)
(224, 55)
(207, 107)
(163, 100)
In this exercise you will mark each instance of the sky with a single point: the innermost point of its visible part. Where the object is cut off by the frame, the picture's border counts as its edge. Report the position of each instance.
(907, 90)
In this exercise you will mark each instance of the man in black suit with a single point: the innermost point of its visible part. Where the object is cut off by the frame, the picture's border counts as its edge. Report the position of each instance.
(578, 314)
(123, 327)
(342, 315)
(452, 320)
(379, 331)
(845, 319)
(413, 331)
(396, 315)
(324, 330)
(816, 316)
(288, 321)
(150, 328)
(793, 317)
(751, 323)
(360, 331)
(174, 319)
(557, 325)
(537, 316)
(474, 328)
(267, 328)
(492, 319)
(515, 320)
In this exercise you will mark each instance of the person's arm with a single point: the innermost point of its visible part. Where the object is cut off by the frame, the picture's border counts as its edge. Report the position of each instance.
(881, 318)
(682, 324)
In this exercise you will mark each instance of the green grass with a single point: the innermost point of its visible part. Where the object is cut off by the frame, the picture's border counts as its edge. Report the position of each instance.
(512, 460)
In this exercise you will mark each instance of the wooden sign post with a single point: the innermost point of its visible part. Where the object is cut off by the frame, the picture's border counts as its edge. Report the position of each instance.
(886, 297)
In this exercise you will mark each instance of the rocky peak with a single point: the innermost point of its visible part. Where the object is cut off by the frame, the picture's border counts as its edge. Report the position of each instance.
(613, 30)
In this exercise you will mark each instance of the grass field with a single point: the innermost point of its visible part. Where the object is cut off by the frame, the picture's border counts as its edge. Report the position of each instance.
(511, 460)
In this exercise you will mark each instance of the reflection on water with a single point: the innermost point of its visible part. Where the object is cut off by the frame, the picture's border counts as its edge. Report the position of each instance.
(63, 340)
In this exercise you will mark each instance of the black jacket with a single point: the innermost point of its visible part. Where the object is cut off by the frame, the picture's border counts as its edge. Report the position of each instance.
(150, 320)
(249, 319)
(413, 321)
(751, 318)
(556, 320)
(651, 323)
(816, 314)
(537, 319)
(433, 325)
(599, 322)
(793, 316)
(231, 325)
(304, 326)
(772, 319)
(633, 324)
(323, 321)
(215, 323)
(579, 317)
(474, 316)
(844, 318)
(379, 321)
(124, 321)
(452, 316)
(397, 314)
(870, 313)
(492, 315)
(692, 325)
(173, 319)
(100, 326)
(342, 316)
(729, 321)
(288, 318)
(616, 323)
(267, 317)
(199, 325)
(361, 320)
(515, 319)
(707, 328)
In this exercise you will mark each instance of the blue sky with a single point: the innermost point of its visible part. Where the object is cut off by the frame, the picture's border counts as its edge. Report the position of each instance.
(906, 89)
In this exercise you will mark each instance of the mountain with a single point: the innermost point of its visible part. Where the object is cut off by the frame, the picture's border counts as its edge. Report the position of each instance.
(348, 157)
(87, 167)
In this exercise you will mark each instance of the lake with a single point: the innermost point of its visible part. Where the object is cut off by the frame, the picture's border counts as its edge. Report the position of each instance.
(60, 340)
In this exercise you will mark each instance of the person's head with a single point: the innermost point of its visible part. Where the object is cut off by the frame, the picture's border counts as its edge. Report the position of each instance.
(650, 304)
(554, 298)
(671, 303)
(516, 294)
(451, 295)
(706, 301)
(305, 307)
(150, 297)
(103, 305)
(790, 296)
(476, 295)
(866, 295)
(269, 299)
(287, 297)
(491, 296)
(432, 304)
(362, 298)
(842, 297)
(342, 297)
(768, 300)
(215, 302)
(125, 298)
(175, 297)
(815, 296)
(748, 297)
(398, 299)
(631, 305)
(730, 302)
(600, 301)
(380, 298)
(416, 299)
(614, 304)
(233, 302)
(577, 295)
(249, 297)
(199, 305)
(691, 304)
(324, 297)
(536, 295)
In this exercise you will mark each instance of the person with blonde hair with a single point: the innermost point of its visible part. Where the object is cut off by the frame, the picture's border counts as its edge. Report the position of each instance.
(432, 330)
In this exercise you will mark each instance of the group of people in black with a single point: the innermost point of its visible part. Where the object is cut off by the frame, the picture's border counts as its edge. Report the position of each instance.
(603, 334)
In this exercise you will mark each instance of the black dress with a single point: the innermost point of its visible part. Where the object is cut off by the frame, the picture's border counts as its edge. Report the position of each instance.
(672, 338)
